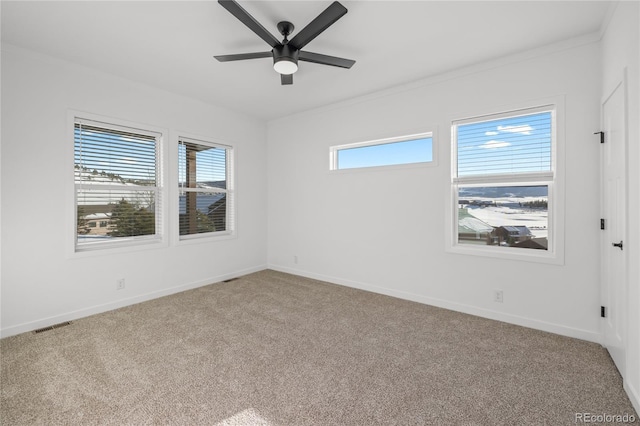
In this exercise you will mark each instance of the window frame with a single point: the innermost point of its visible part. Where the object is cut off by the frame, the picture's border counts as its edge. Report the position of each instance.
(421, 134)
(553, 179)
(121, 244)
(231, 212)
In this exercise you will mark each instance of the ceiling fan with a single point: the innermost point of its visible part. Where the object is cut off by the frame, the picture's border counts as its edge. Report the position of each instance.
(287, 53)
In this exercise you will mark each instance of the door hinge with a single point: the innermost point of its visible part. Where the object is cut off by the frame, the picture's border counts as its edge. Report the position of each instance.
(601, 223)
(602, 312)
(601, 136)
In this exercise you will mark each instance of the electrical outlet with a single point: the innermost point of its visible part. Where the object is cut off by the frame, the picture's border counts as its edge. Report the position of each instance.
(498, 297)
(120, 284)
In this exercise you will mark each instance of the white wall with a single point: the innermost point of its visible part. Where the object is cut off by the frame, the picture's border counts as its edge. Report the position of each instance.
(385, 230)
(620, 51)
(378, 230)
(41, 283)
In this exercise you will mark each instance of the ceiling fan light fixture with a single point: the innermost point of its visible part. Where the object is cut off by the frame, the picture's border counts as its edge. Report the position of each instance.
(285, 66)
(285, 59)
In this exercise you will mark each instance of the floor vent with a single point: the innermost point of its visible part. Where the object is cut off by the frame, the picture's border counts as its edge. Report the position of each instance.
(51, 327)
(229, 280)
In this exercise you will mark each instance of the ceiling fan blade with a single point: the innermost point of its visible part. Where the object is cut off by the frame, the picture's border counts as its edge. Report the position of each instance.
(318, 58)
(323, 21)
(286, 79)
(236, 10)
(243, 56)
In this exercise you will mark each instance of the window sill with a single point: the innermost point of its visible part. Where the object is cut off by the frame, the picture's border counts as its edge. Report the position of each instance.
(118, 247)
(206, 238)
(520, 254)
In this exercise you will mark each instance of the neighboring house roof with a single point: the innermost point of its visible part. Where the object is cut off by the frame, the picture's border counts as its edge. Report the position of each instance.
(467, 223)
(536, 243)
(98, 216)
(520, 230)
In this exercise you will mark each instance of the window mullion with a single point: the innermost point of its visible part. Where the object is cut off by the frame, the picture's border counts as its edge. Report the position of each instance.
(505, 178)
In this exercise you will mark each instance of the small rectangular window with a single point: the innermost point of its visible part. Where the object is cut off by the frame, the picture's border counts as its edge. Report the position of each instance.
(205, 188)
(117, 180)
(386, 152)
(503, 179)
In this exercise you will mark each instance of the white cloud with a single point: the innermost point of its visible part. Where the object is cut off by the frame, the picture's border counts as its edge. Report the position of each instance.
(140, 141)
(494, 144)
(491, 133)
(523, 129)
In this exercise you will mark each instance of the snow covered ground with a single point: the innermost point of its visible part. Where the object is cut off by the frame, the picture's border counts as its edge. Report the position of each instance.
(512, 212)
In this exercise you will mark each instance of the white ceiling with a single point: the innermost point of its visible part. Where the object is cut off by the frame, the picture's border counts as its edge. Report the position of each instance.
(170, 45)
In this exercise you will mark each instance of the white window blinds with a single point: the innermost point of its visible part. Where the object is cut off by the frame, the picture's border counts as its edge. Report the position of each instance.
(117, 183)
(205, 184)
(516, 144)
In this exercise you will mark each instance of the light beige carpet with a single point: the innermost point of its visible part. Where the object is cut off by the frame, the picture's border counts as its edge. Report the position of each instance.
(276, 349)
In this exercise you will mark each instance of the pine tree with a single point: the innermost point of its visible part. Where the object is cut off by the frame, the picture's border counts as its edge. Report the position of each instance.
(127, 220)
(82, 226)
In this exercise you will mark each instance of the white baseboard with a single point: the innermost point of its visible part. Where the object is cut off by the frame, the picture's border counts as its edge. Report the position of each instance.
(97, 309)
(458, 307)
(633, 394)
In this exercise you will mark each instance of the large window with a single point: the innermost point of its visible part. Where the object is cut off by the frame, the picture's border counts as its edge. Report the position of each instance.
(117, 185)
(205, 188)
(504, 181)
(384, 152)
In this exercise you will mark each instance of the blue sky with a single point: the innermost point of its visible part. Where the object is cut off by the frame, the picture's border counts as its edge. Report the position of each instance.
(508, 145)
(211, 164)
(127, 155)
(133, 156)
(405, 152)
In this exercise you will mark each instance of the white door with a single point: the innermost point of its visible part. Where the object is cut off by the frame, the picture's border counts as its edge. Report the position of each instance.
(614, 200)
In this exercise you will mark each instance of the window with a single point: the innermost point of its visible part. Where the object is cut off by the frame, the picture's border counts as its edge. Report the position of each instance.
(205, 188)
(116, 180)
(384, 152)
(504, 180)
